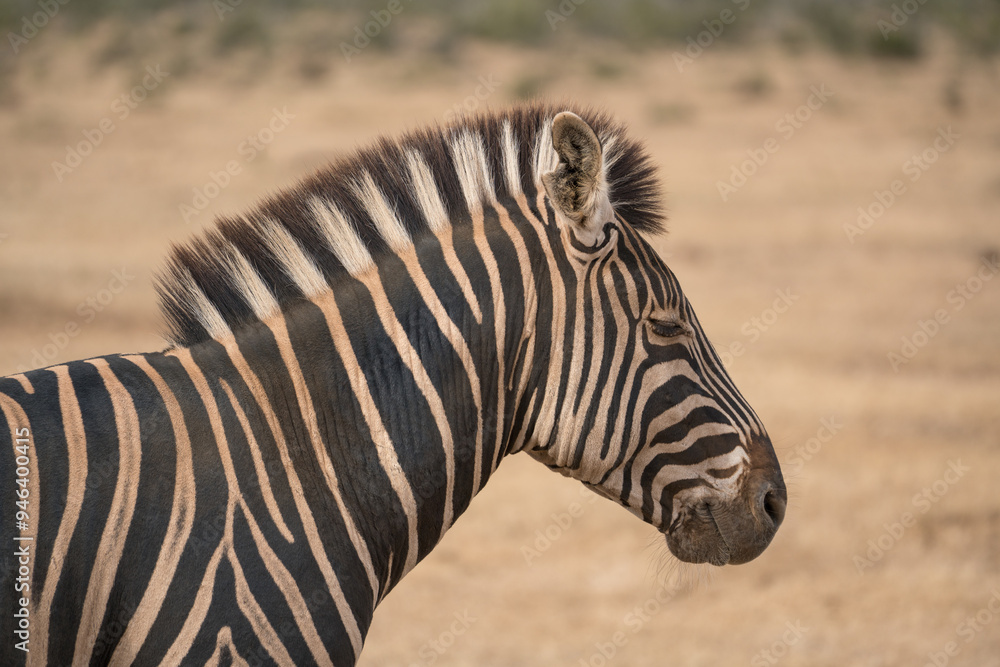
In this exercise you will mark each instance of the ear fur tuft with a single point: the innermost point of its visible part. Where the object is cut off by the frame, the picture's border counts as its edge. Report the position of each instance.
(576, 186)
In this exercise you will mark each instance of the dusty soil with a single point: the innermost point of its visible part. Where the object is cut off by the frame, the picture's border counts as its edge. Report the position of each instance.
(892, 538)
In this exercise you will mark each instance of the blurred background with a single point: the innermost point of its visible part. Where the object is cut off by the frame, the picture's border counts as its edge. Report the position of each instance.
(832, 174)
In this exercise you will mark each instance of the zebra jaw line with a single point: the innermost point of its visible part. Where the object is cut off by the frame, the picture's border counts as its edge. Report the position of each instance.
(350, 362)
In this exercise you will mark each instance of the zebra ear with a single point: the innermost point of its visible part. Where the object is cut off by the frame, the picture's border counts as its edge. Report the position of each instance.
(577, 187)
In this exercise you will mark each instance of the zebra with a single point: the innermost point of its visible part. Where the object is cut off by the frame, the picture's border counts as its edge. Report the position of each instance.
(348, 363)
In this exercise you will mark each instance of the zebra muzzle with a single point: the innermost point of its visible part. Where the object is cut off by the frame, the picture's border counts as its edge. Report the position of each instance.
(733, 531)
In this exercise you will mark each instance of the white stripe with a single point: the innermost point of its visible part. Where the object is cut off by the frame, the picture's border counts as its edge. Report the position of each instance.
(510, 163)
(469, 158)
(437, 219)
(546, 158)
(609, 152)
(385, 448)
(190, 299)
(341, 237)
(296, 263)
(426, 192)
(248, 282)
(381, 213)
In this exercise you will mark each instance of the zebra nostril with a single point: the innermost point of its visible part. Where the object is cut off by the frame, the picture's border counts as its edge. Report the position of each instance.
(774, 506)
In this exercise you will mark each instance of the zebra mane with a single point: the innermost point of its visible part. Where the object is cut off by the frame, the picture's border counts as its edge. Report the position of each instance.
(298, 242)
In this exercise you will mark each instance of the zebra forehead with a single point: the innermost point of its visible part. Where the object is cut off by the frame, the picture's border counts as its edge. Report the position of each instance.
(379, 200)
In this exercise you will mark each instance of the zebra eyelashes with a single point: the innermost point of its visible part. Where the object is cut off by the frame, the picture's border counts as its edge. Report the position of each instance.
(667, 329)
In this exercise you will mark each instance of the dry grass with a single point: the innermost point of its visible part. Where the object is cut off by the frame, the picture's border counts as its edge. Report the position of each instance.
(826, 357)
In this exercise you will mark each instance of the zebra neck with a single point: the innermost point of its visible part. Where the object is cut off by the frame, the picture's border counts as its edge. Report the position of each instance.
(394, 396)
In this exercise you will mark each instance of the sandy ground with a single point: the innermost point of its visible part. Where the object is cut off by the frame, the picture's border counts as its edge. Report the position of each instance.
(892, 539)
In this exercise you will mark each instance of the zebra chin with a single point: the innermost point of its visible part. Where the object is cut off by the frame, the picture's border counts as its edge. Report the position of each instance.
(734, 531)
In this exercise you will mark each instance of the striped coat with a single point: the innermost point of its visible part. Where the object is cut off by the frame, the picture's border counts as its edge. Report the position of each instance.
(349, 363)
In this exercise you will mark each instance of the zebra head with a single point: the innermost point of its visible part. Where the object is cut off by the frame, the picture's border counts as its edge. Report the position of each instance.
(642, 409)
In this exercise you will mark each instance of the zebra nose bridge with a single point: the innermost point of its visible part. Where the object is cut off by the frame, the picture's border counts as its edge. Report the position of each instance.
(763, 459)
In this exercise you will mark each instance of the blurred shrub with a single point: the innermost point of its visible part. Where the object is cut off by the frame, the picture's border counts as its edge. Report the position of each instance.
(843, 26)
(528, 86)
(317, 53)
(835, 24)
(606, 69)
(974, 23)
(520, 21)
(242, 30)
(119, 48)
(906, 45)
(755, 86)
(670, 113)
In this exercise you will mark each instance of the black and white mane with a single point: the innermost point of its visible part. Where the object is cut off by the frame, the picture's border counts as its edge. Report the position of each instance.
(378, 200)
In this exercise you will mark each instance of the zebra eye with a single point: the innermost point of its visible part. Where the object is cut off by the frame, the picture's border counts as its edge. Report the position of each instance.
(667, 329)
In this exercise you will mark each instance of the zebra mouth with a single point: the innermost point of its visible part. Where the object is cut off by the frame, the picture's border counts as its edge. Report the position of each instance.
(725, 550)
(698, 537)
(694, 536)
